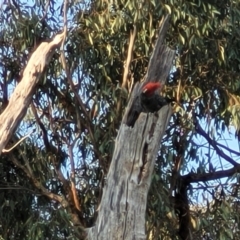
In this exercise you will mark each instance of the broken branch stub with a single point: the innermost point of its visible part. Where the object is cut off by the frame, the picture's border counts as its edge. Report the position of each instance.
(158, 70)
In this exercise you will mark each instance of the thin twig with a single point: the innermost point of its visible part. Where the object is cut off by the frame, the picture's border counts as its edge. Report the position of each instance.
(45, 11)
(228, 149)
(10, 149)
(200, 131)
(126, 74)
(50, 148)
(72, 177)
(179, 88)
(65, 67)
(38, 184)
(129, 56)
(69, 78)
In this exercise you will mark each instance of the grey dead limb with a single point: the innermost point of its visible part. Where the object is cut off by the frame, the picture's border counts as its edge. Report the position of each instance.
(123, 206)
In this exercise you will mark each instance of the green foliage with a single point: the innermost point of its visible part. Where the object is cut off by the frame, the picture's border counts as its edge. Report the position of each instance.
(204, 82)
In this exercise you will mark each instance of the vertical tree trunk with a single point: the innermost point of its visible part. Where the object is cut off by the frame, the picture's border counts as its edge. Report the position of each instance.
(123, 206)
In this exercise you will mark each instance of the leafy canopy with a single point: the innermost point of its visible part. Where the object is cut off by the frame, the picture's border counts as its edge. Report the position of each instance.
(74, 129)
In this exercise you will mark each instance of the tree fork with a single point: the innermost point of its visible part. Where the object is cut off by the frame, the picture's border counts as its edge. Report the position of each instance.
(123, 206)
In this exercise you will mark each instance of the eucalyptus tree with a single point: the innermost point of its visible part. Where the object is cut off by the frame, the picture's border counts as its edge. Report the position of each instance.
(77, 108)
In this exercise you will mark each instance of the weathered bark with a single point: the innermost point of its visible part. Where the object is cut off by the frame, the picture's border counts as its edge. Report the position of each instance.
(22, 95)
(123, 206)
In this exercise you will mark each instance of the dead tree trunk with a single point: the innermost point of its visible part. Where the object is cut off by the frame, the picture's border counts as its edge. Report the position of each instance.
(22, 95)
(123, 206)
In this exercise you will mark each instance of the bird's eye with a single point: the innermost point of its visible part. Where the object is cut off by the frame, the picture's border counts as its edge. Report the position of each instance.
(144, 90)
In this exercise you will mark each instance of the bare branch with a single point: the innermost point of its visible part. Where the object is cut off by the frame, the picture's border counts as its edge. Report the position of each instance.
(213, 143)
(203, 177)
(129, 56)
(72, 177)
(228, 149)
(22, 96)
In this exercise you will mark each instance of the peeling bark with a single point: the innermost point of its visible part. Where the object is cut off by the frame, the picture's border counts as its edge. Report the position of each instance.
(123, 206)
